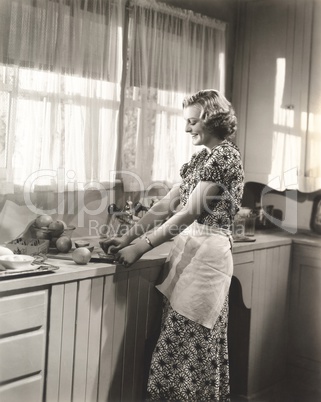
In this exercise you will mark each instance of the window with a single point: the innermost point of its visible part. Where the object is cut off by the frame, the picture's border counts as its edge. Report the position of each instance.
(69, 114)
(52, 121)
(171, 53)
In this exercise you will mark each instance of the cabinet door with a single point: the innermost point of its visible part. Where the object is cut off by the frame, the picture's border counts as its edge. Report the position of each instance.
(271, 91)
(305, 307)
(269, 318)
(102, 331)
(313, 152)
(258, 320)
(270, 63)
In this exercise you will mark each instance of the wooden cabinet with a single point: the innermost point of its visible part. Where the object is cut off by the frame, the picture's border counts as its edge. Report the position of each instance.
(258, 323)
(102, 333)
(305, 309)
(23, 346)
(273, 94)
(87, 333)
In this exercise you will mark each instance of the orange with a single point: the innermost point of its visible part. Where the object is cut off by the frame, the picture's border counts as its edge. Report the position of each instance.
(57, 228)
(63, 244)
(43, 221)
(81, 255)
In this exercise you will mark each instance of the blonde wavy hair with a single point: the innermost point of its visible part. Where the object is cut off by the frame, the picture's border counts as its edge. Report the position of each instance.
(216, 111)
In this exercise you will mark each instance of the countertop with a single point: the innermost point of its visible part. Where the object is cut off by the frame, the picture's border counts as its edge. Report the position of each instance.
(306, 237)
(69, 270)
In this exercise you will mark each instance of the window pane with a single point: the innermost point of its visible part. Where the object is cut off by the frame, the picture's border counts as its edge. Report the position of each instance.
(4, 112)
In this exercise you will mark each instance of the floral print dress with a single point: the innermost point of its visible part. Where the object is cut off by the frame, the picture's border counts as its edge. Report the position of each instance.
(190, 360)
(222, 166)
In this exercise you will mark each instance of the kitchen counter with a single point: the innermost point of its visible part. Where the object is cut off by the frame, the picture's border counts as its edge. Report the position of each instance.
(306, 237)
(98, 323)
(69, 270)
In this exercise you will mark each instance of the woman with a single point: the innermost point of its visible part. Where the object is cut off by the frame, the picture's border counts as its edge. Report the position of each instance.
(190, 360)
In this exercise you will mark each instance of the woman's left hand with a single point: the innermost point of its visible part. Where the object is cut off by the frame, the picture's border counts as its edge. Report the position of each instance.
(128, 255)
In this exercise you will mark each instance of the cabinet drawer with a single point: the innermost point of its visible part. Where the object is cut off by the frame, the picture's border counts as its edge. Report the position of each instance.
(300, 251)
(28, 389)
(21, 355)
(243, 258)
(23, 312)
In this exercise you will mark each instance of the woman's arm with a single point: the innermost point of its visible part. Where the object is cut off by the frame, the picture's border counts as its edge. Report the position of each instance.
(197, 202)
(153, 217)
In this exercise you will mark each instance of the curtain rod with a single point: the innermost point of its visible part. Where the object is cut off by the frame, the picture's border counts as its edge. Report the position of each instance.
(178, 12)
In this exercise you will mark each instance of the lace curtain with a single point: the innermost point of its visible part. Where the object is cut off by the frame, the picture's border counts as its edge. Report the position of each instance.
(63, 122)
(172, 53)
(60, 76)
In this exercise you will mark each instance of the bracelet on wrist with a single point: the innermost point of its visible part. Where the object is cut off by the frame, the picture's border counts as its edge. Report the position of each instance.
(148, 242)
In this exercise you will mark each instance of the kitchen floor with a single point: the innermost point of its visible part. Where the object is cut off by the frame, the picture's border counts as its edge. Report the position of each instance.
(306, 388)
(302, 388)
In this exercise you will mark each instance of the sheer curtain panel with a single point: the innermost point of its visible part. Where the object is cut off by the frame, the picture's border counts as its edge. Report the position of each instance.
(60, 76)
(171, 53)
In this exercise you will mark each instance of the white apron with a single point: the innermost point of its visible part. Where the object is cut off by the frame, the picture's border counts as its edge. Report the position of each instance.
(198, 273)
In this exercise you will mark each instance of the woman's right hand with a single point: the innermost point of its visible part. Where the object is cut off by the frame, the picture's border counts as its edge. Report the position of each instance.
(113, 245)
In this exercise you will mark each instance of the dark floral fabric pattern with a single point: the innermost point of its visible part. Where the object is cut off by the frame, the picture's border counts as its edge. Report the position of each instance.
(190, 362)
(223, 166)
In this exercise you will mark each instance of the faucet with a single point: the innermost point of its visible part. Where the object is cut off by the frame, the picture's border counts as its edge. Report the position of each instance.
(121, 218)
(129, 214)
(124, 215)
(139, 207)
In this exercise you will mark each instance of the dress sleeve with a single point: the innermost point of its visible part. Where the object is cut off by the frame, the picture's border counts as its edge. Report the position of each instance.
(223, 167)
(184, 170)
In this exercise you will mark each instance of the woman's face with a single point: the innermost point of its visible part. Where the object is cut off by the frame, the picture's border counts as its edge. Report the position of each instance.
(195, 126)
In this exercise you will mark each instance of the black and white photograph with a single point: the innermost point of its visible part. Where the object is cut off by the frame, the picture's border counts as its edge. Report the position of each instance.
(160, 200)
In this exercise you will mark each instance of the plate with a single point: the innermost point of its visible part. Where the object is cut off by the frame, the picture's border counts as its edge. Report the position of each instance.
(34, 270)
(16, 261)
(26, 267)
